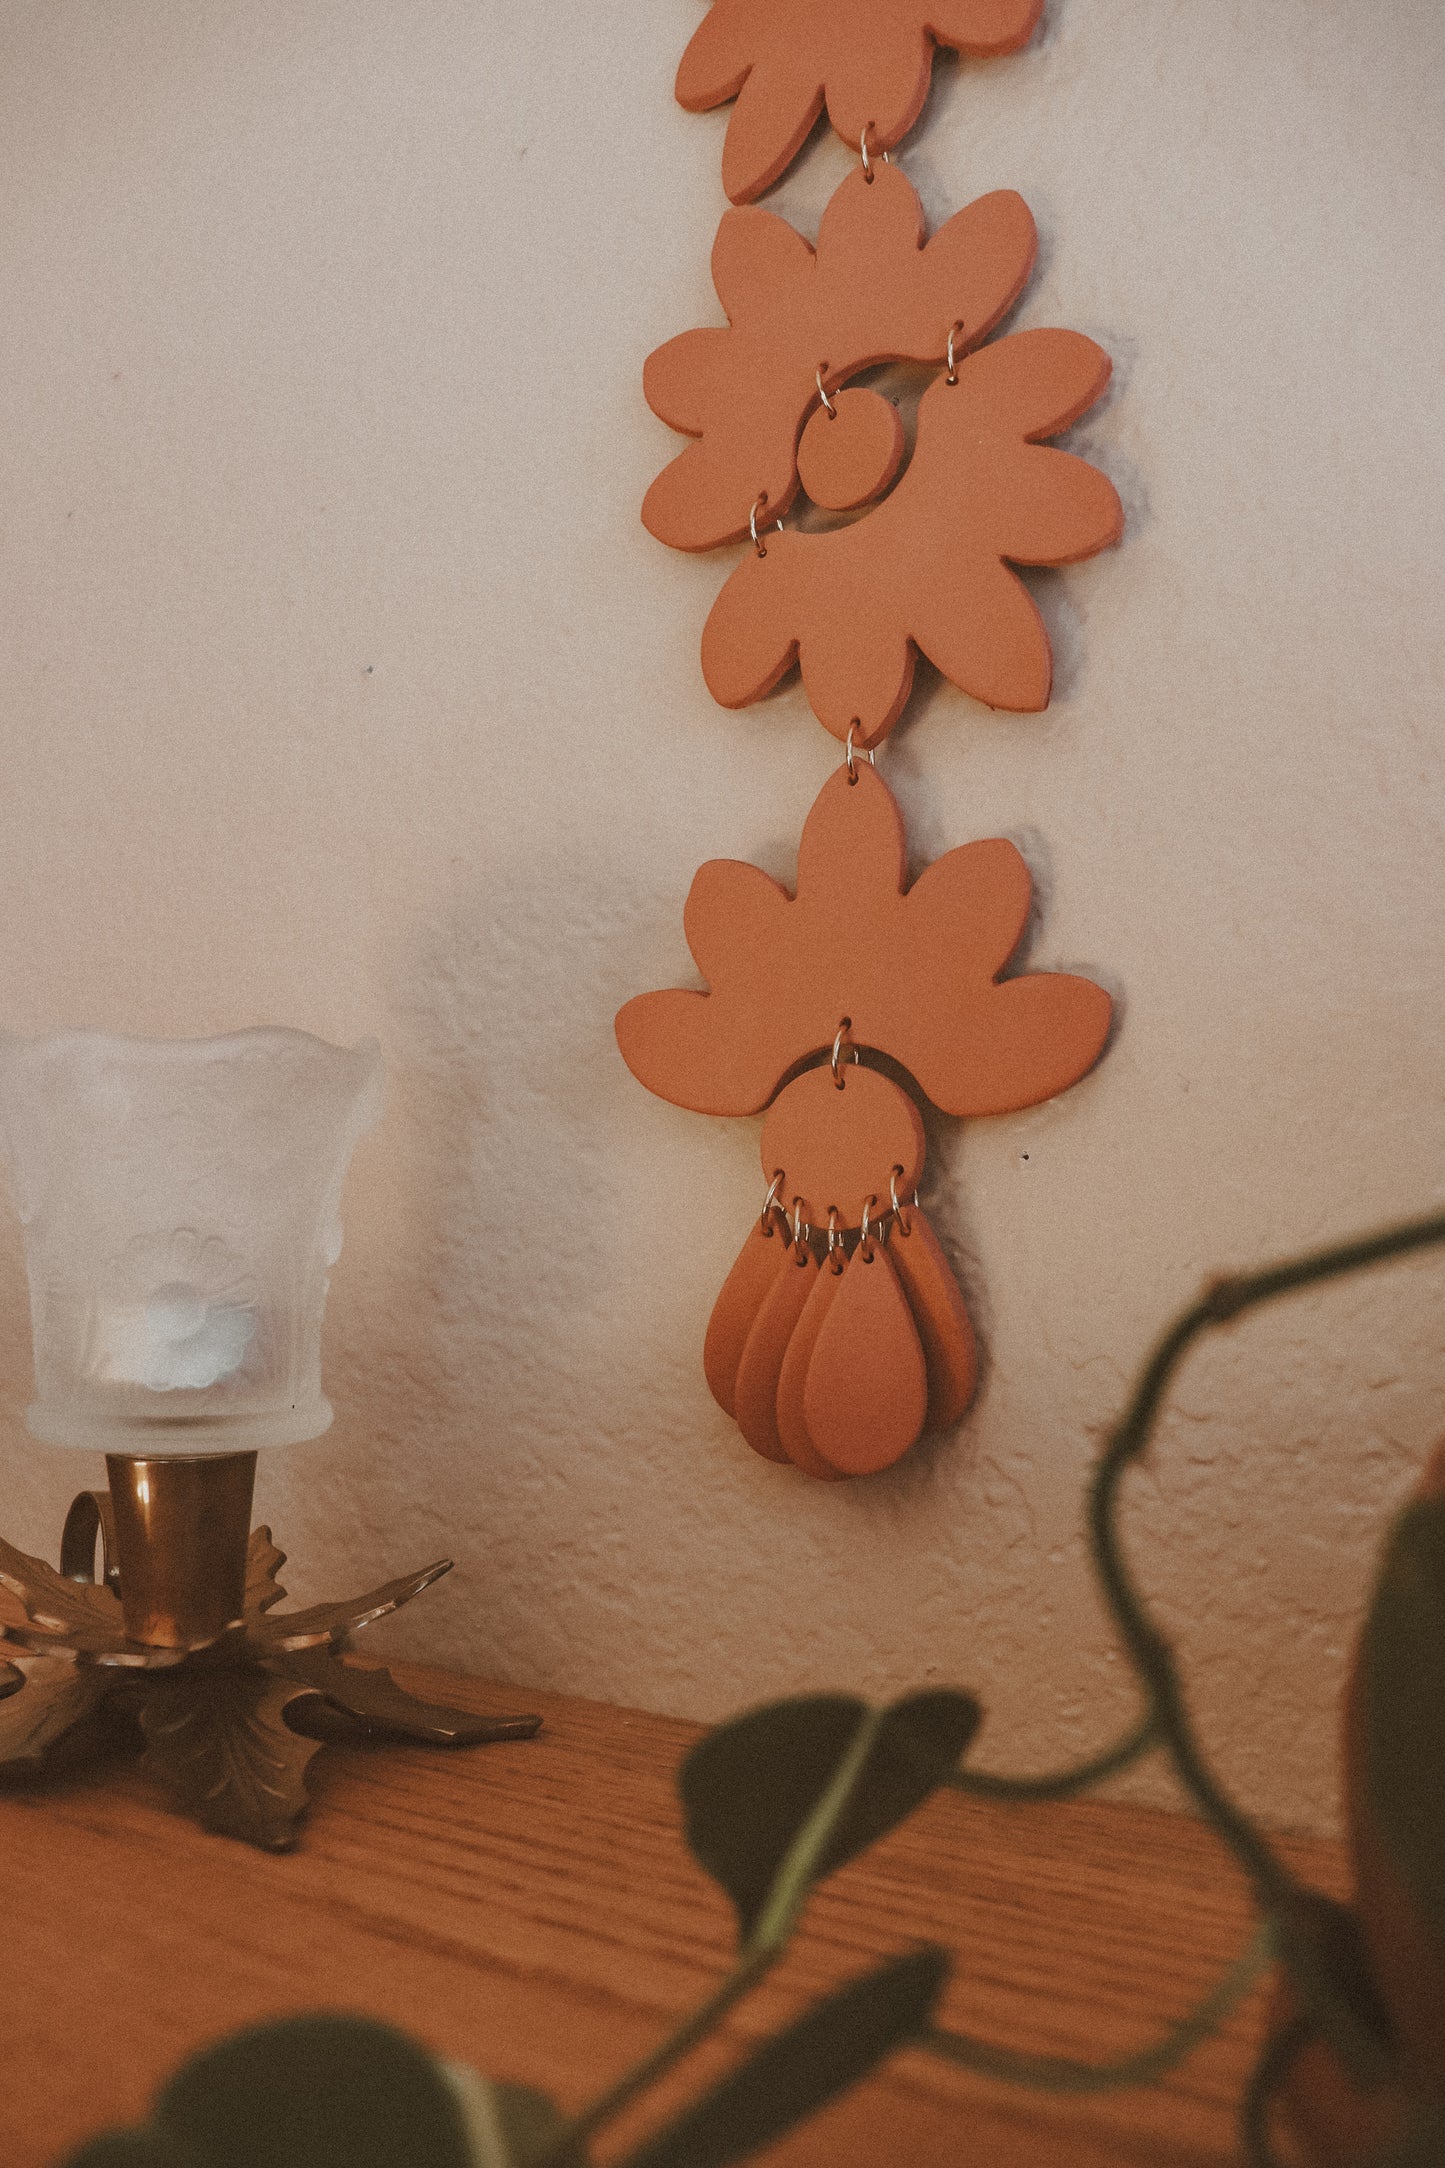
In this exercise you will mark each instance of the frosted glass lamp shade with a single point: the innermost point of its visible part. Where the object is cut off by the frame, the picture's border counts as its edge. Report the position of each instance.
(181, 1206)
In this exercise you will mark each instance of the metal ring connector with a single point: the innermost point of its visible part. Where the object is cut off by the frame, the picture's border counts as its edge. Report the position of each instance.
(848, 760)
(828, 407)
(759, 545)
(865, 1245)
(863, 153)
(953, 352)
(905, 1227)
(770, 1203)
(843, 1038)
(835, 1239)
(801, 1228)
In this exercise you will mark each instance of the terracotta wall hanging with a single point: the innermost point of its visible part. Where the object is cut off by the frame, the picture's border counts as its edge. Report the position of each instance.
(841, 1369)
(840, 1334)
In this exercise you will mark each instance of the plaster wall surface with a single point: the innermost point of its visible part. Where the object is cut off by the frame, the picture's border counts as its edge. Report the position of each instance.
(341, 687)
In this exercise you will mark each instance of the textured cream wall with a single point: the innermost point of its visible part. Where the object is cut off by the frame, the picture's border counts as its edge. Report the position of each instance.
(342, 687)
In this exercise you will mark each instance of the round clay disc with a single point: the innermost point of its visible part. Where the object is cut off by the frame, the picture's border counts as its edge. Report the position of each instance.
(849, 457)
(837, 1143)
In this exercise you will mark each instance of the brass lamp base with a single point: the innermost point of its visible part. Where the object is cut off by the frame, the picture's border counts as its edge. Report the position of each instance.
(212, 1686)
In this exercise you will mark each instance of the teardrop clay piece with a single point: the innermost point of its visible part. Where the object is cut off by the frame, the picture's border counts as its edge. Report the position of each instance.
(950, 1353)
(792, 1424)
(755, 1391)
(866, 1397)
(743, 1293)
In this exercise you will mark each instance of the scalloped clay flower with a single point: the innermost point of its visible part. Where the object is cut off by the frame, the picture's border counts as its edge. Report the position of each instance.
(802, 319)
(930, 568)
(869, 61)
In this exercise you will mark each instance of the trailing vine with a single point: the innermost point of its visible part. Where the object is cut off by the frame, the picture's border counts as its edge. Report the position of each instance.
(776, 1800)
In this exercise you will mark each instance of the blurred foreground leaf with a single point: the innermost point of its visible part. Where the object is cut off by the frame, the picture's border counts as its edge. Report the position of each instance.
(749, 1788)
(797, 2072)
(132, 2149)
(1404, 1682)
(509, 2125)
(315, 2092)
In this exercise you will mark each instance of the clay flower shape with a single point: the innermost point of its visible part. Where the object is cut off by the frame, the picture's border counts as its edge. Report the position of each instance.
(930, 567)
(872, 291)
(869, 61)
(915, 970)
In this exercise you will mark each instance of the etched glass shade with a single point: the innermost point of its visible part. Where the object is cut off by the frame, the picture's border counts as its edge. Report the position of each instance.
(181, 1205)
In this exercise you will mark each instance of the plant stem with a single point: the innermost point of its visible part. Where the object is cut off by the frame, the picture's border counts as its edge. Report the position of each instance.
(1166, 1723)
(1276, 2058)
(794, 1878)
(786, 1897)
(1153, 1657)
(1141, 1739)
(1061, 2074)
(574, 2134)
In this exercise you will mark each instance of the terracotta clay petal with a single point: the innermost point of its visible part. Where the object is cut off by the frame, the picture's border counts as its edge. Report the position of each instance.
(854, 671)
(882, 85)
(881, 291)
(830, 605)
(681, 1047)
(981, 627)
(984, 29)
(793, 1380)
(986, 254)
(1013, 1047)
(867, 227)
(679, 507)
(685, 1046)
(866, 1397)
(755, 1389)
(985, 886)
(719, 55)
(853, 854)
(950, 1353)
(744, 1291)
(749, 641)
(703, 498)
(678, 377)
(1059, 508)
(734, 912)
(1031, 384)
(770, 123)
(760, 265)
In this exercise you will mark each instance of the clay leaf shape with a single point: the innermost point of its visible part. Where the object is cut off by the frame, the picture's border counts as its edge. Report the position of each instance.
(869, 61)
(930, 568)
(871, 291)
(915, 970)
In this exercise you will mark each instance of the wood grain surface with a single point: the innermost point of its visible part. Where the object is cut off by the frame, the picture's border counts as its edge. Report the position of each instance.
(531, 1908)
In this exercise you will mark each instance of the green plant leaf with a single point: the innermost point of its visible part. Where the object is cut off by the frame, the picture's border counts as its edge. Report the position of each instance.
(749, 1788)
(1322, 1947)
(508, 2125)
(132, 2149)
(1404, 1685)
(797, 2072)
(315, 2092)
(1422, 2146)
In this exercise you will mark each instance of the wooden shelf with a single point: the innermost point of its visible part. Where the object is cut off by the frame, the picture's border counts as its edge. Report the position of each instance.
(531, 1908)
